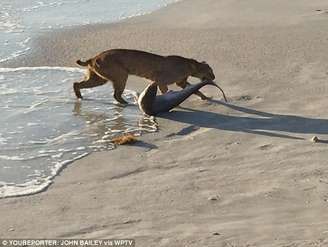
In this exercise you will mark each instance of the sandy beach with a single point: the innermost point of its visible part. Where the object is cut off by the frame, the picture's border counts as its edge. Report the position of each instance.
(244, 173)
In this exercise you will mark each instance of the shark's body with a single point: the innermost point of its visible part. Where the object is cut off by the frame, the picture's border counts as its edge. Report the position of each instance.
(152, 104)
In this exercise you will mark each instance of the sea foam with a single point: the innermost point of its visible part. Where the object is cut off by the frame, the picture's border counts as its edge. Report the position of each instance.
(43, 127)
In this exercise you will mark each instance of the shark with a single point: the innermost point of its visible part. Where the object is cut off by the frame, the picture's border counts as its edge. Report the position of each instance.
(152, 104)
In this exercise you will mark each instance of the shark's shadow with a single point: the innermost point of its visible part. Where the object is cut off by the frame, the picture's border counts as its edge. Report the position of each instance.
(262, 123)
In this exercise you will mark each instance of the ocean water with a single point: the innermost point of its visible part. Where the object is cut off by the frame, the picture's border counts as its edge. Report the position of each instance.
(43, 127)
(21, 20)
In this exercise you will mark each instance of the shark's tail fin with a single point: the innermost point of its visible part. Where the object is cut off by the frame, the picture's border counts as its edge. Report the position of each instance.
(216, 85)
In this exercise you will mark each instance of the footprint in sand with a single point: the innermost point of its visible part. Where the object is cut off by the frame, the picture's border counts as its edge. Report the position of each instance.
(266, 147)
(185, 131)
(245, 98)
(321, 11)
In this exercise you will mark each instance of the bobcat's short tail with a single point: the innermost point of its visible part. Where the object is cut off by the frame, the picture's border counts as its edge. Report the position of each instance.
(83, 63)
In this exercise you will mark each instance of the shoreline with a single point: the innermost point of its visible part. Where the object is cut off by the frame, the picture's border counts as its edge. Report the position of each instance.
(243, 173)
(18, 63)
(40, 43)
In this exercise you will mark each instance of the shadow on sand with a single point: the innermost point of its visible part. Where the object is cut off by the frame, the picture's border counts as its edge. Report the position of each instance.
(262, 123)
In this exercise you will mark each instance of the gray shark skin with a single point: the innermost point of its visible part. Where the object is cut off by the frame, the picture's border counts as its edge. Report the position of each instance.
(152, 104)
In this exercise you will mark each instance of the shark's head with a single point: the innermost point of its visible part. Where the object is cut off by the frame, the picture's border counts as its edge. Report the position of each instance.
(147, 98)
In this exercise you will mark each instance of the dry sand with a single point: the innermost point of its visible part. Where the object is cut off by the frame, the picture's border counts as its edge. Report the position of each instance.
(241, 174)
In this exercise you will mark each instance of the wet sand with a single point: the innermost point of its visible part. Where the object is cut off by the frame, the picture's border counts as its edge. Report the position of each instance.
(237, 174)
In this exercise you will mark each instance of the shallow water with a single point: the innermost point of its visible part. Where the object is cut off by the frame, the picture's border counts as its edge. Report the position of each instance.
(43, 127)
(22, 20)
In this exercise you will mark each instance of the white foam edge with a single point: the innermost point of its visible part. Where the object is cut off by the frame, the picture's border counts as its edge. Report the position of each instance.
(15, 54)
(30, 188)
(147, 12)
(70, 69)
